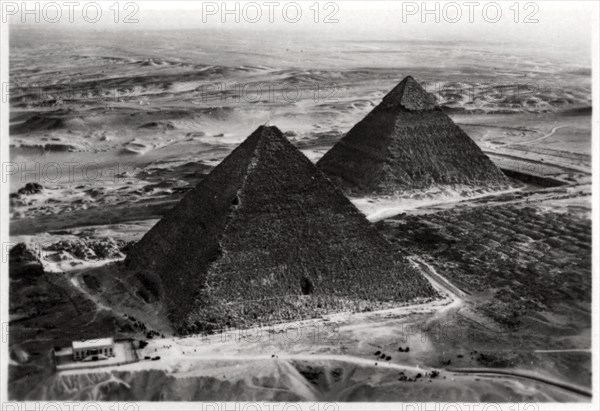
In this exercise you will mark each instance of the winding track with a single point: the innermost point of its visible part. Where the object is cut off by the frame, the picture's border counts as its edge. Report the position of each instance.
(524, 375)
(457, 295)
(442, 285)
(535, 140)
(550, 134)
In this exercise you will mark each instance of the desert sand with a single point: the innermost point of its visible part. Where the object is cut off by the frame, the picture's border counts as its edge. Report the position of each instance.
(135, 127)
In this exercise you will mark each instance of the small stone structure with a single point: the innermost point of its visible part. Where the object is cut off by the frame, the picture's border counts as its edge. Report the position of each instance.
(100, 348)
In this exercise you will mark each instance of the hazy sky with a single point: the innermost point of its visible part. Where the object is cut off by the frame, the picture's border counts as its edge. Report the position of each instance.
(561, 24)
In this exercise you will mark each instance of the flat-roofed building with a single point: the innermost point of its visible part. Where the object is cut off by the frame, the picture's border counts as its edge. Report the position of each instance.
(93, 348)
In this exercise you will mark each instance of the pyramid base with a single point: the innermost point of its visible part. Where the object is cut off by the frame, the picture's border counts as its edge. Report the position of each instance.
(430, 190)
(248, 314)
(379, 206)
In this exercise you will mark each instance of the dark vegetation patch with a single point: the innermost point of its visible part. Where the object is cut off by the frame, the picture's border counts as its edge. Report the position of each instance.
(526, 259)
(31, 188)
(312, 374)
(337, 374)
(493, 360)
(47, 310)
(91, 282)
(24, 265)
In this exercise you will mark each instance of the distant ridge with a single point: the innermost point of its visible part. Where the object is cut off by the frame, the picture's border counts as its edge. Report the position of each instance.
(266, 237)
(407, 142)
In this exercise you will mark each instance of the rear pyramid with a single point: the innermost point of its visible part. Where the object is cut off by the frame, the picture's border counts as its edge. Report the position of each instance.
(408, 142)
(265, 237)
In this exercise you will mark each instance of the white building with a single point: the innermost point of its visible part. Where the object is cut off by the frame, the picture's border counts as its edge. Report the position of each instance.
(103, 347)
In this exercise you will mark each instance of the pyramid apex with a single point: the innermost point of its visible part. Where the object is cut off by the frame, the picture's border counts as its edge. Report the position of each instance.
(410, 95)
(269, 133)
(265, 128)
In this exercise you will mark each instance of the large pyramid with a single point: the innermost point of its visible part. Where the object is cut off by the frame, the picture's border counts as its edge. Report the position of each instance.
(266, 237)
(407, 142)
